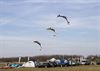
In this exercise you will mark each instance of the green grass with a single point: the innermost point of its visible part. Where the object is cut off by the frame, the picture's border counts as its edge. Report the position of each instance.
(2, 64)
(74, 68)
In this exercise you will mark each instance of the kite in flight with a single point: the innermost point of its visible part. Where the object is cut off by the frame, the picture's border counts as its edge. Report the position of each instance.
(52, 29)
(37, 42)
(64, 18)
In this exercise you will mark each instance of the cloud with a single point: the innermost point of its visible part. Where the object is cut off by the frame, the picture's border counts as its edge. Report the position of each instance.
(23, 14)
(4, 21)
(27, 47)
(35, 1)
(91, 22)
(64, 1)
(86, 21)
(84, 1)
(23, 21)
(22, 2)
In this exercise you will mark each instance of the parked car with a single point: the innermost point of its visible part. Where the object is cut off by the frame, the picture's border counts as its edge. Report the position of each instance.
(98, 62)
(43, 64)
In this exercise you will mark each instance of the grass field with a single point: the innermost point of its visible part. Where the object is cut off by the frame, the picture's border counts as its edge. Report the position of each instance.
(75, 68)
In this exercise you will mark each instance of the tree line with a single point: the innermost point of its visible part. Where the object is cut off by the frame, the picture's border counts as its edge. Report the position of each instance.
(46, 57)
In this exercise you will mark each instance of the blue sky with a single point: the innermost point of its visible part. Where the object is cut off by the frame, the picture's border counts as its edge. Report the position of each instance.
(23, 21)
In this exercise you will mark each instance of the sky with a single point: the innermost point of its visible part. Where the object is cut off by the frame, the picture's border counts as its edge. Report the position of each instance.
(24, 21)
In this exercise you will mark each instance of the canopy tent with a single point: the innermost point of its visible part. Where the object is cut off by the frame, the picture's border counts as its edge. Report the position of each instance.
(29, 64)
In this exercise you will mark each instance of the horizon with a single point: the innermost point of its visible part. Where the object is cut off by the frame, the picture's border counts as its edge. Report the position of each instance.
(25, 21)
(51, 55)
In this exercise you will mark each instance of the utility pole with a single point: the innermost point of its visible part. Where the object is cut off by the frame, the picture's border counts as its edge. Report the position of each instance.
(28, 58)
(19, 59)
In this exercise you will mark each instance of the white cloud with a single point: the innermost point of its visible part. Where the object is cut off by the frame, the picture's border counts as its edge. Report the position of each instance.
(84, 1)
(91, 22)
(35, 1)
(64, 1)
(27, 2)
(27, 47)
(28, 15)
(46, 1)
(46, 20)
(4, 21)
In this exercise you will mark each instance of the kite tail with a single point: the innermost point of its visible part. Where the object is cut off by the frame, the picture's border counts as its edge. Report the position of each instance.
(67, 21)
(55, 34)
(41, 48)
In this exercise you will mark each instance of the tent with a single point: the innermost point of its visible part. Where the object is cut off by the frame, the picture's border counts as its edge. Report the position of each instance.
(15, 65)
(52, 60)
(29, 64)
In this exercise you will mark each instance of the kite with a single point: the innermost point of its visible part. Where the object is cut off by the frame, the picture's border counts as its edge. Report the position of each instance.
(37, 42)
(52, 29)
(64, 18)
